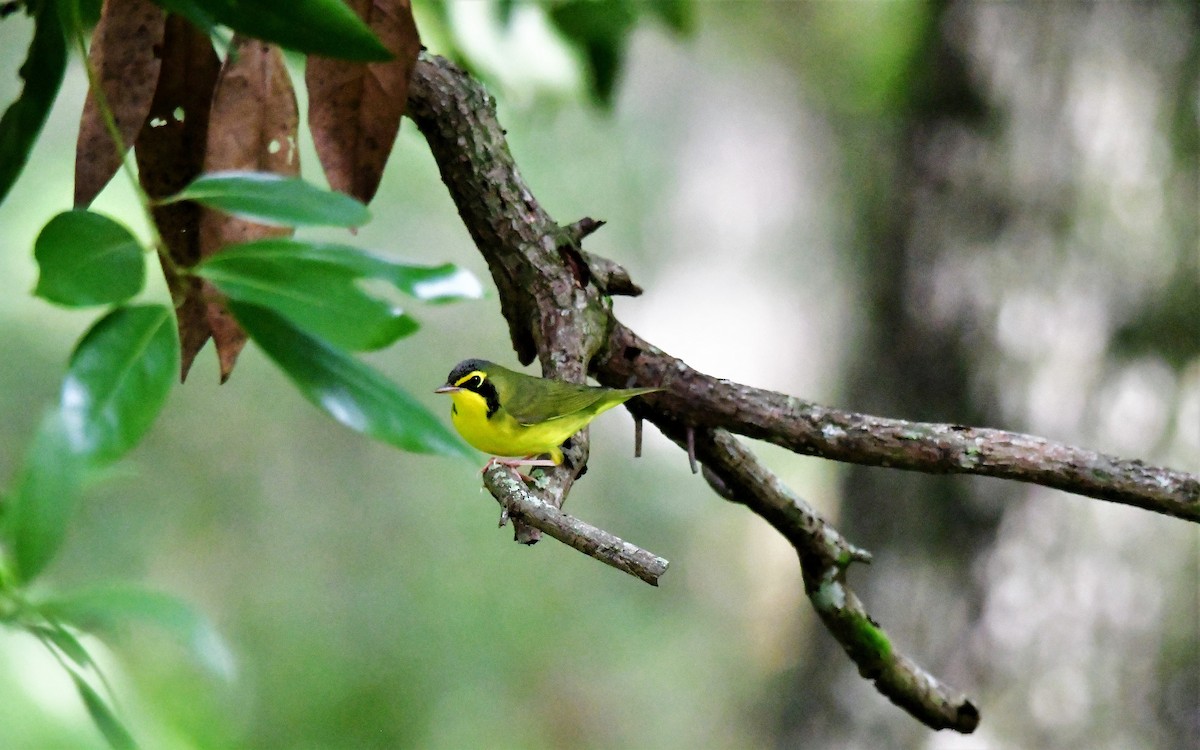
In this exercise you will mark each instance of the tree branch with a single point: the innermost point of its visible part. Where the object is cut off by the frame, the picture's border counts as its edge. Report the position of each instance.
(815, 430)
(517, 501)
(549, 313)
(556, 300)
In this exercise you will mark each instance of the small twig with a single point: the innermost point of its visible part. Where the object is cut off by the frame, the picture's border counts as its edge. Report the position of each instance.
(691, 449)
(610, 277)
(637, 424)
(518, 502)
(576, 231)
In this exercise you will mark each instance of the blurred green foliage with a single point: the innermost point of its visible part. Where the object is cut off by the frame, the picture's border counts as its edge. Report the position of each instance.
(319, 27)
(599, 32)
(123, 368)
(42, 73)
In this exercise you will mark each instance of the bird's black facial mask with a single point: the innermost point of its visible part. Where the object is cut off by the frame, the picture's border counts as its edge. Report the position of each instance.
(477, 382)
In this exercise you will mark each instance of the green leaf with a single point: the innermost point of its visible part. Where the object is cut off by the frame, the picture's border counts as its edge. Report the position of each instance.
(443, 283)
(317, 287)
(437, 284)
(35, 522)
(118, 379)
(85, 258)
(601, 31)
(196, 11)
(679, 15)
(43, 73)
(313, 287)
(105, 611)
(106, 721)
(64, 641)
(347, 390)
(319, 27)
(269, 198)
(89, 12)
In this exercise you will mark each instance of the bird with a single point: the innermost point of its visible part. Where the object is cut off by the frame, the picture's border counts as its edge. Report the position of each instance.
(516, 417)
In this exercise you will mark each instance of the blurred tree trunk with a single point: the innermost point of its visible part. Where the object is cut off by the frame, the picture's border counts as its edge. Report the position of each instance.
(924, 204)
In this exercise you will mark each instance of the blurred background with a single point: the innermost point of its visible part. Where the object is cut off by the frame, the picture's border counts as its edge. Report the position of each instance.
(983, 213)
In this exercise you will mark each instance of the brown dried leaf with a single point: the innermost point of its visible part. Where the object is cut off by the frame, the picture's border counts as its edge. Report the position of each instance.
(125, 55)
(354, 109)
(254, 126)
(170, 153)
(228, 336)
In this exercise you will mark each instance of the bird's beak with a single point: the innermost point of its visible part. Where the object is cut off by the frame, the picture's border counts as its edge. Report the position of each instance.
(447, 389)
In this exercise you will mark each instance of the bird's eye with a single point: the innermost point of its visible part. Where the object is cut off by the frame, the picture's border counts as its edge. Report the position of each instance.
(474, 382)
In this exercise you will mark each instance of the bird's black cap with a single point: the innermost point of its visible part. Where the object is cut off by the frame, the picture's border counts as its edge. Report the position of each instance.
(465, 367)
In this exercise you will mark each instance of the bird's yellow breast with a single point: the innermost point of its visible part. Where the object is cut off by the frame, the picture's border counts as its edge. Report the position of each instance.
(501, 435)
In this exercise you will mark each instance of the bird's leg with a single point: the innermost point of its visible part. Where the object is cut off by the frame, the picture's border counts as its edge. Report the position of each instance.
(513, 463)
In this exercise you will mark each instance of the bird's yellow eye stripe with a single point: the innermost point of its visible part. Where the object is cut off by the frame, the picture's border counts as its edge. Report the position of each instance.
(473, 379)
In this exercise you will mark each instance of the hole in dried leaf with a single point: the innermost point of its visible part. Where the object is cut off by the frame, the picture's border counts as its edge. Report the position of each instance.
(178, 114)
(274, 146)
(157, 122)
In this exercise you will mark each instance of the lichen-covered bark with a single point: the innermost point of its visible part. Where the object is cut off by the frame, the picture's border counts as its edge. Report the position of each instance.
(518, 501)
(550, 314)
(809, 428)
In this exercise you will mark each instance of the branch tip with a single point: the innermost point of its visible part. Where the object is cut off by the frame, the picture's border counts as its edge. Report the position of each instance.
(526, 508)
(578, 230)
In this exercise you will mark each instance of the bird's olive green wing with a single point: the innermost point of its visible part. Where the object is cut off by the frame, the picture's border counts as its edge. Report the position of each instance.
(532, 400)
